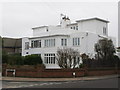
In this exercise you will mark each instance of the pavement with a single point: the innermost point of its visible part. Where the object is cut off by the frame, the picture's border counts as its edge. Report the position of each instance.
(57, 79)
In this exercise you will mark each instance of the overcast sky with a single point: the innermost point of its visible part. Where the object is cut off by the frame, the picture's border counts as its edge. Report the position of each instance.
(19, 17)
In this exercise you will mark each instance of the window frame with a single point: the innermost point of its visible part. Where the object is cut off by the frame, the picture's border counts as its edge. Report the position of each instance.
(26, 45)
(104, 31)
(76, 41)
(36, 44)
(49, 43)
(64, 42)
(49, 58)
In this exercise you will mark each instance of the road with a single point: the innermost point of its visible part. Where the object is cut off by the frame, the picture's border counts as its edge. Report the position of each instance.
(102, 83)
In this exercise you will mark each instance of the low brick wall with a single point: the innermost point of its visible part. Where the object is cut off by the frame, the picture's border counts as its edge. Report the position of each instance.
(62, 72)
(48, 73)
(31, 71)
(102, 71)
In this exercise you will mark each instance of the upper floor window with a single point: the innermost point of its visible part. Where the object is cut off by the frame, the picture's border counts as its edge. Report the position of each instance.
(104, 31)
(76, 27)
(26, 45)
(47, 30)
(35, 43)
(49, 42)
(76, 41)
(63, 42)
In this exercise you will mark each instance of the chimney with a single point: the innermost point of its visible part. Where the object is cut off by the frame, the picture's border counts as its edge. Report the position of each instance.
(64, 21)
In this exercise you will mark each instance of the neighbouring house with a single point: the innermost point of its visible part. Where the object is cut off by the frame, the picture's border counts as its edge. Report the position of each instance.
(80, 36)
(12, 45)
(118, 51)
(118, 48)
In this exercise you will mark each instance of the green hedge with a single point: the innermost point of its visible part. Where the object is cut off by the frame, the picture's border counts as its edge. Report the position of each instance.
(16, 59)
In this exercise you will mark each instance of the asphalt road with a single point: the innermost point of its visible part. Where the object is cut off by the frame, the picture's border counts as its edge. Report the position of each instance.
(102, 83)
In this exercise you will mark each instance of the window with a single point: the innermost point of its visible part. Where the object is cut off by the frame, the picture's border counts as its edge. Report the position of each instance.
(63, 42)
(26, 45)
(76, 27)
(104, 31)
(35, 43)
(27, 53)
(49, 58)
(76, 41)
(32, 44)
(47, 30)
(49, 42)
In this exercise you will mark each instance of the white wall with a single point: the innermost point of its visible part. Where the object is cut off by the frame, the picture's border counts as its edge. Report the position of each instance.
(99, 27)
(94, 26)
(43, 31)
(38, 31)
(25, 39)
(87, 26)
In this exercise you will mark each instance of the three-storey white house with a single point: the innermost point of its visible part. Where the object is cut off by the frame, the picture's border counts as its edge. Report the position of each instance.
(80, 36)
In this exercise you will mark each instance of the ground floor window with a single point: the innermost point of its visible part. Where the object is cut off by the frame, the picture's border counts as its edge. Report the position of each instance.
(26, 45)
(49, 58)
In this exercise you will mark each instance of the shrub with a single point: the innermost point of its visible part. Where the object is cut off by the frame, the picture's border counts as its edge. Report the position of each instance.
(32, 60)
(15, 60)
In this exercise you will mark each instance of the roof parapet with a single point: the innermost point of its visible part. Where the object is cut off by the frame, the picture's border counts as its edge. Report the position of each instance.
(93, 19)
(39, 27)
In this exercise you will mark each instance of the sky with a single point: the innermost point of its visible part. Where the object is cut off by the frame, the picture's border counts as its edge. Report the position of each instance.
(19, 17)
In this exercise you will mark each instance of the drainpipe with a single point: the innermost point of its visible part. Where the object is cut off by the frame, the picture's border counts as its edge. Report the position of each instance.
(86, 42)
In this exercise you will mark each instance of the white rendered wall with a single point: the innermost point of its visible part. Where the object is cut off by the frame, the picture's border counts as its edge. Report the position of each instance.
(87, 26)
(94, 26)
(38, 31)
(25, 39)
(99, 27)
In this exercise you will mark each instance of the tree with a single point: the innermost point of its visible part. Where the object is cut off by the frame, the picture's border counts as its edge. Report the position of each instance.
(68, 58)
(105, 51)
(86, 60)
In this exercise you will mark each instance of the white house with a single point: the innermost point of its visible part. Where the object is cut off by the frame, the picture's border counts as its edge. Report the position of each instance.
(80, 36)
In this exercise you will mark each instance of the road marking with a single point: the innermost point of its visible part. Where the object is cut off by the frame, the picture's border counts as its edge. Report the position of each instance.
(66, 82)
(16, 82)
(44, 84)
(30, 85)
(36, 84)
(57, 83)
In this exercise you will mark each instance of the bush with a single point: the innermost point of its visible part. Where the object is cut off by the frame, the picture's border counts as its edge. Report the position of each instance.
(81, 65)
(15, 60)
(32, 60)
(4, 58)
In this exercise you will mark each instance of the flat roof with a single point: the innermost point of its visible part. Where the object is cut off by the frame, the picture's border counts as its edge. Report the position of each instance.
(71, 24)
(93, 19)
(48, 36)
(39, 27)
